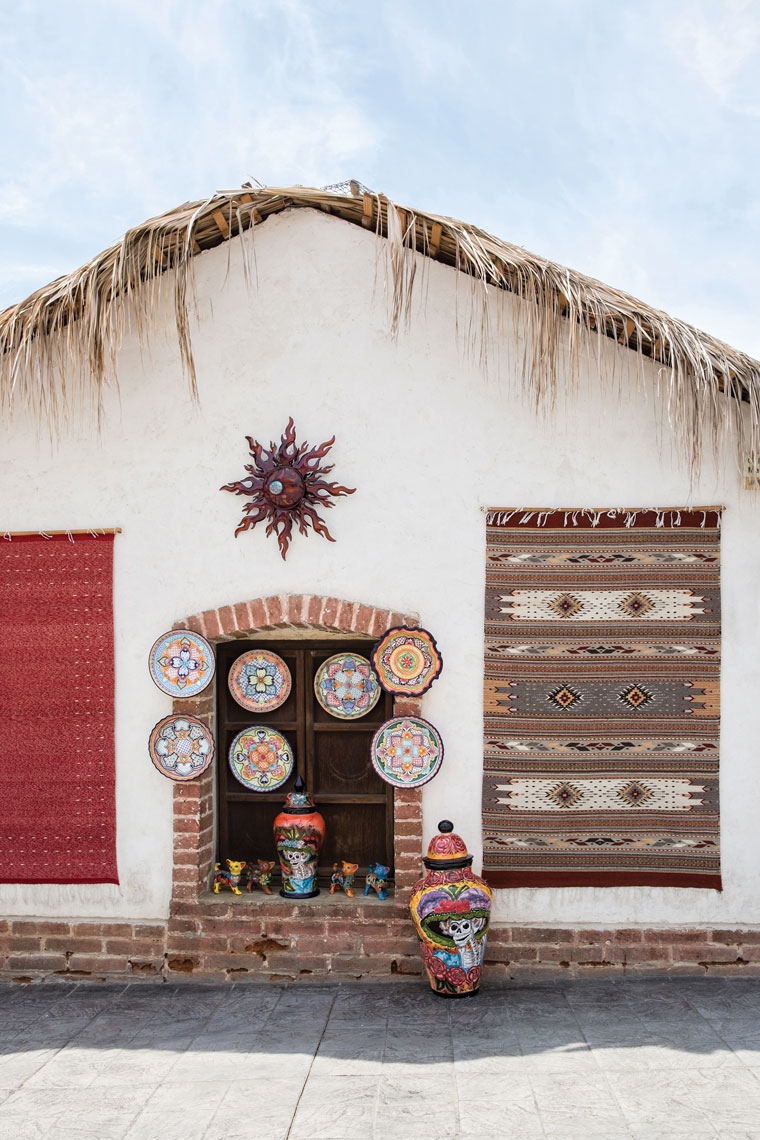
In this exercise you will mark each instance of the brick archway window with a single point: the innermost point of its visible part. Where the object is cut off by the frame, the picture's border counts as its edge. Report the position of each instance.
(278, 617)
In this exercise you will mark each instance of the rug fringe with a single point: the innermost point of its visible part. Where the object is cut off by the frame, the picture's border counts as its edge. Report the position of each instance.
(572, 516)
(24, 900)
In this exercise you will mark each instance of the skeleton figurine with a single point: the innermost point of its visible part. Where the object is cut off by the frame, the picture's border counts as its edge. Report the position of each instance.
(464, 931)
(299, 865)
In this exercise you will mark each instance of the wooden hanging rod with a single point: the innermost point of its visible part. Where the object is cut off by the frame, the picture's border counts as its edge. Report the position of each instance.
(53, 533)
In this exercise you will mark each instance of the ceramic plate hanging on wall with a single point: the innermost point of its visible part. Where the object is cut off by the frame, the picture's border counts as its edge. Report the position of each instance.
(181, 747)
(346, 686)
(181, 663)
(260, 758)
(407, 660)
(260, 681)
(406, 751)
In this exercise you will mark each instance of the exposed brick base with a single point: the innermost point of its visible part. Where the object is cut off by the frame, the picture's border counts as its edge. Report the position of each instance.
(216, 940)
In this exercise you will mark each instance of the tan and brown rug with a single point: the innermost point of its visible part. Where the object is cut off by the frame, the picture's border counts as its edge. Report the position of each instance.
(602, 672)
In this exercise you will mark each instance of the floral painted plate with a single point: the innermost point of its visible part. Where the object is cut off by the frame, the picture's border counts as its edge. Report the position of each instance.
(260, 681)
(260, 758)
(406, 751)
(346, 687)
(407, 660)
(181, 663)
(181, 747)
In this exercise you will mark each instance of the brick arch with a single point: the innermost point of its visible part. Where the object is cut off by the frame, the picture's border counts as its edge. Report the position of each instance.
(193, 804)
(294, 611)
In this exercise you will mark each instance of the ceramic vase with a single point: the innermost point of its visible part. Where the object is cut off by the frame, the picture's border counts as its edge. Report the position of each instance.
(451, 907)
(298, 833)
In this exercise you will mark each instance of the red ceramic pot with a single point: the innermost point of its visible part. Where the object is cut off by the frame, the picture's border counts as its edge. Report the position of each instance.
(298, 833)
(451, 908)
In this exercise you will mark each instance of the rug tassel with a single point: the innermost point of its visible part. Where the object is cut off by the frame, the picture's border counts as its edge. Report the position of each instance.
(28, 900)
(664, 516)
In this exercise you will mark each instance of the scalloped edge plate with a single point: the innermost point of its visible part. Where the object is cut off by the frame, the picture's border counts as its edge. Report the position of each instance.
(394, 684)
(153, 741)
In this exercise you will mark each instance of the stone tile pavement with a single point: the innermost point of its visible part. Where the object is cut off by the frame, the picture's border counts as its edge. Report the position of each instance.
(641, 1059)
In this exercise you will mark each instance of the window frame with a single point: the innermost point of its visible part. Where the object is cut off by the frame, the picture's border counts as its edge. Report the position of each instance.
(302, 729)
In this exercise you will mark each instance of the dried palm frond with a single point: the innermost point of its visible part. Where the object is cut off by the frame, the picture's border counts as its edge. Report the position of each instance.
(58, 347)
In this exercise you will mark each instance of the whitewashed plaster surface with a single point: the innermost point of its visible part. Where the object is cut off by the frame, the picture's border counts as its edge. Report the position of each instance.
(428, 441)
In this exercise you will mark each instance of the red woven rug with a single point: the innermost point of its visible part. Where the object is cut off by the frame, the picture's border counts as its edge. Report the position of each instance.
(57, 794)
(602, 666)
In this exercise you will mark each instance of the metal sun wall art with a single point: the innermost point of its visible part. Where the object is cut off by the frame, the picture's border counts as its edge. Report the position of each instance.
(287, 486)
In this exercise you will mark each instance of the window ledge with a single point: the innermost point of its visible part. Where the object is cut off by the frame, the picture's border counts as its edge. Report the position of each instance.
(324, 900)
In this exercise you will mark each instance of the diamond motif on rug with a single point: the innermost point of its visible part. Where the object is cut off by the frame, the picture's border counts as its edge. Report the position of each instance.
(636, 696)
(564, 697)
(635, 793)
(566, 605)
(636, 605)
(565, 795)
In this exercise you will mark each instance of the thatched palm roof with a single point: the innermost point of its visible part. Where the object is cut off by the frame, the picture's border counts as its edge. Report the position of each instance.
(59, 345)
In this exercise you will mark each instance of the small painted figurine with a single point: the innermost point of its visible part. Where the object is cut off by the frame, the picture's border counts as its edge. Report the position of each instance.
(343, 878)
(260, 875)
(229, 878)
(377, 880)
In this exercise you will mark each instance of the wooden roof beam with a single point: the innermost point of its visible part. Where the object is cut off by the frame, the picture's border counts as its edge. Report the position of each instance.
(222, 223)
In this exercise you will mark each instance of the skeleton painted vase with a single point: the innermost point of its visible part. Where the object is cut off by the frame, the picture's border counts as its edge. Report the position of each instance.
(298, 833)
(451, 907)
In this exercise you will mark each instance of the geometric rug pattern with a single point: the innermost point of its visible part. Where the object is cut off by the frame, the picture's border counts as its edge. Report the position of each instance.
(601, 695)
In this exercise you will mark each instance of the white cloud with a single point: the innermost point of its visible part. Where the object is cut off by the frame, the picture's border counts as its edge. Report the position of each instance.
(623, 146)
(720, 42)
(182, 105)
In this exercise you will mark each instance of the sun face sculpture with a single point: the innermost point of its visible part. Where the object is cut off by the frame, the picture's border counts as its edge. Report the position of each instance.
(287, 485)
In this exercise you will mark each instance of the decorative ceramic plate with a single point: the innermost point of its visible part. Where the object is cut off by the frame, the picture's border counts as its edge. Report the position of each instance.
(406, 751)
(407, 660)
(181, 747)
(260, 758)
(181, 663)
(346, 686)
(260, 681)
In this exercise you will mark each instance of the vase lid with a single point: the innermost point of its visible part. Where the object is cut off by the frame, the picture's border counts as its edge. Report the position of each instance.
(447, 849)
(299, 802)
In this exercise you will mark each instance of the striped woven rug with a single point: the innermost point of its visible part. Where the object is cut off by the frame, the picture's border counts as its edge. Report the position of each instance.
(602, 663)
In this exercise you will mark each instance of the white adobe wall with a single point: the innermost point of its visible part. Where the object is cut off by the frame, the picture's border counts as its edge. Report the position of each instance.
(428, 441)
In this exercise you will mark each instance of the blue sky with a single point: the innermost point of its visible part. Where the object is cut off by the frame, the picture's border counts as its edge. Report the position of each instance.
(617, 138)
